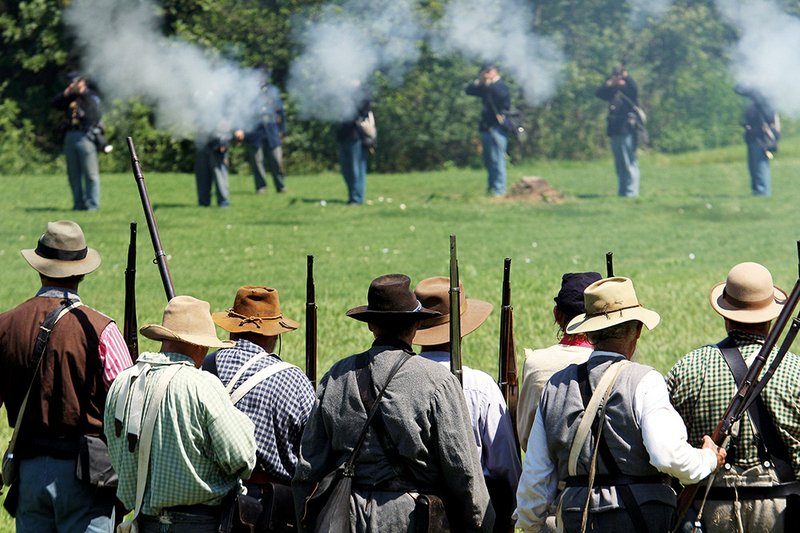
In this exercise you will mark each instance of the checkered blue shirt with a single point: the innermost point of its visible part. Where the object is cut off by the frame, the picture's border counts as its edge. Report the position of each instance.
(278, 406)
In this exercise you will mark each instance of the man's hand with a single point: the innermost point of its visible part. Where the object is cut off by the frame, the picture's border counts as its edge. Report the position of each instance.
(708, 444)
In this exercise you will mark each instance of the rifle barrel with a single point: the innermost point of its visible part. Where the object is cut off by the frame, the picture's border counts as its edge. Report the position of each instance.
(311, 323)
(455, 311)
(609, 264)
(509, 384)
(130, 325)
(160, 257)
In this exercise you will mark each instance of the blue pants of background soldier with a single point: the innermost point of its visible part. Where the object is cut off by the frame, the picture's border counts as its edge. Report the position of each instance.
(495, 143)
(210, 167)
(353, 160)
(758, 164)
(82, 170)
(624, 149)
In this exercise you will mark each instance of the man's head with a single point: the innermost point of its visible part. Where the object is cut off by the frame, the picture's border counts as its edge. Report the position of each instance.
(610, 304)
(747, 299)
(488, 72)
(434, 293)
(619, 70)
(392, 308)
(256, 316)
(62, 255)
(186, 328)
(569, 300)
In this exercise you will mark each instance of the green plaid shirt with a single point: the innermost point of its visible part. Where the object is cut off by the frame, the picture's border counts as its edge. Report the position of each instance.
(701, 386)
(202, 444)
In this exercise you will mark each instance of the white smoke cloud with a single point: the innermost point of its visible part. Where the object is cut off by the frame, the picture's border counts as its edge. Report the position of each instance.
(641, 10)
(127, 55)
(767, 55)
(344, 46)
(501, 31)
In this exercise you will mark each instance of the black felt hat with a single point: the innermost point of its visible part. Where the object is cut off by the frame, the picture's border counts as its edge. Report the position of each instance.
(390, 296)
(570, 298)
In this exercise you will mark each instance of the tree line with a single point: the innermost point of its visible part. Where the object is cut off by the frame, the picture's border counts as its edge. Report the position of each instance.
(679, 59)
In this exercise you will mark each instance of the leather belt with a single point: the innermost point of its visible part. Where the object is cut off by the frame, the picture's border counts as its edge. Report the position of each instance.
(753, 493)
(611, 480)
(195, 509)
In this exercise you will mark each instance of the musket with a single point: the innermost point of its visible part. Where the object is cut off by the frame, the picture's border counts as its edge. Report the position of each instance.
(311, 323)
(751, 386)
(509, 386)
(609, 264)
(455, 314)
(160, 257)
(130, 326)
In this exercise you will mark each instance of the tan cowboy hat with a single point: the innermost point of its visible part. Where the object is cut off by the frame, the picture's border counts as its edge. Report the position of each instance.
(62, 252)
(748, 295)
(434, 293)
(390, 297)
(255, 310)
(188, 320)
(609, 302)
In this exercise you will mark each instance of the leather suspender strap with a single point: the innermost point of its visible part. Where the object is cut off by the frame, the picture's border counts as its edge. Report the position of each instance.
(767, 437)
(40, 346)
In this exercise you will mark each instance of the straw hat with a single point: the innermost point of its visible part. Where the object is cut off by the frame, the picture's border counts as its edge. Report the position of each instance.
(62, 252)
(434, 293)
(255, 310)
(748, 295)
(188, 320)
(609, 302)
(389, 297)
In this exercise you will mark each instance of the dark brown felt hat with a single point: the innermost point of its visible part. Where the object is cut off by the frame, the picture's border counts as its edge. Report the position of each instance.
(255, 310)
(390, 297)
(434, 293)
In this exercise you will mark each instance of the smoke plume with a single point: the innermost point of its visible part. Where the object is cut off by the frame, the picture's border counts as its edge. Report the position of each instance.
(343, 46)
(501, 32)
(766, 56)
(126, 54)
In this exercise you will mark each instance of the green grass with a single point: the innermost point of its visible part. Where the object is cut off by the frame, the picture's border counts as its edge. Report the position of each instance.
(694, 205)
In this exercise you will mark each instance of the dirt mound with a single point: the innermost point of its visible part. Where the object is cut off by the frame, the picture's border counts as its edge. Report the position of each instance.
(534, 189)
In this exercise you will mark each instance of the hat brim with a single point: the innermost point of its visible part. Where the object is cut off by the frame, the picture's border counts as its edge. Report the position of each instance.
(746, 316)
(364, 314)
(160, 333)
(584, 324)
(267, 328)
(57, 268)
(476, 313)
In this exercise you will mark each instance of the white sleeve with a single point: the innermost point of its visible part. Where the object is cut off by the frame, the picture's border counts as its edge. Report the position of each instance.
(664, 433)
(539, 481)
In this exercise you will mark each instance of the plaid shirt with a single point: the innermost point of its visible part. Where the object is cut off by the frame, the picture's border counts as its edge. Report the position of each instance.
(278, 406)
(201, 443)
(701, 386)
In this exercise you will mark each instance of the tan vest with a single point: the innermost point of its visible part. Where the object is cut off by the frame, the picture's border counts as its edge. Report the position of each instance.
(68, 397)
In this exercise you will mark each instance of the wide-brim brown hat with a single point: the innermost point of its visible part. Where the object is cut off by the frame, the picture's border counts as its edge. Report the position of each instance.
(186, 319)
(434, 293)
(62, 252)
(609, 302)
(390, 297)
(255, 310)
(748, 295)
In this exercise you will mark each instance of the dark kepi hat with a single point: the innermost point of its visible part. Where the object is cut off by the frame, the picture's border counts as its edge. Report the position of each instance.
(390, 297)
(570, 298)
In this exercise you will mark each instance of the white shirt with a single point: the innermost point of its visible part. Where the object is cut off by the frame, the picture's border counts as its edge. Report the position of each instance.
(664, 436)
(491, 422)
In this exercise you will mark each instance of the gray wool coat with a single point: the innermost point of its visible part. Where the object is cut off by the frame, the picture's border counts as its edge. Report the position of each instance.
(425, 416)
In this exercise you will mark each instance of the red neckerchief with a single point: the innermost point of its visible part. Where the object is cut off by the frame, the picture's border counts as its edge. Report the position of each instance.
(575, 340)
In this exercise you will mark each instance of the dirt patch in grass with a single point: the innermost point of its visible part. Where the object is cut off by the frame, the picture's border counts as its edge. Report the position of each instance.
(534, 189)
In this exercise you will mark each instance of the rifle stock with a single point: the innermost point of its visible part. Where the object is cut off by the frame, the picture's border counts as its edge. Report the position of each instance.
(609, 264)
(130, 325)
(509, 385)
(160, 257)
(750, 388)
(455, 311)
(311, 323)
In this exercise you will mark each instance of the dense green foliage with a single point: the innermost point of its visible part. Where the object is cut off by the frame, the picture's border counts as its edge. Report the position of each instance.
(679, 60)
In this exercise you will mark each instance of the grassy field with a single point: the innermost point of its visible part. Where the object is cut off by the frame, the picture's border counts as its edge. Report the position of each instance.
(695, 219)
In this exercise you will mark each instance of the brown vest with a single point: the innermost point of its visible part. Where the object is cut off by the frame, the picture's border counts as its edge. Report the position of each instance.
(68, 396)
